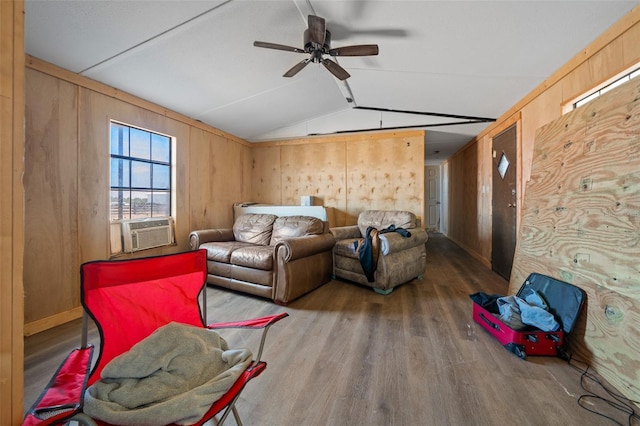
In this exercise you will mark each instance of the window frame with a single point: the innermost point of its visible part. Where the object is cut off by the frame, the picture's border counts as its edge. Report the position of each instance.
(620, 78)
(170, 175)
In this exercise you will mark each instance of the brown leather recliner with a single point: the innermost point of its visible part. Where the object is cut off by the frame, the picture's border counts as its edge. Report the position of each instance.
(280, 258)
(400, 257)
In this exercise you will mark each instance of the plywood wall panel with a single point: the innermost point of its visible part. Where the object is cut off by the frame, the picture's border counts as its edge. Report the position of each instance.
(484, 200)
(631, 45)
(51, 188)
(12, 105)
(539, 112)
(217, 180)
(182, 193)
(608, 61)
(227, 174)
(93, 175)
(381, 175)
(470, 191)
(266, 175)
(581, 223)
(577, 83)
(464, 188)
(455, 196)
(317, 170)
(202, 215)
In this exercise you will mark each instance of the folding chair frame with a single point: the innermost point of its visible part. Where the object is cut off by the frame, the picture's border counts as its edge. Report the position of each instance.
(62, 399)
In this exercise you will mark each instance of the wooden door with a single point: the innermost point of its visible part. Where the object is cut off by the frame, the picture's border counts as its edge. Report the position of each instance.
(505, 194)
(432, 196)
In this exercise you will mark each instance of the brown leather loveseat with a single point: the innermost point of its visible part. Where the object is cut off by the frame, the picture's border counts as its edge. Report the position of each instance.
(280, 258)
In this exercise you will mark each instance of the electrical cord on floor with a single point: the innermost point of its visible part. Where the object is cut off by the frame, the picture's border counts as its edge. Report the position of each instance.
(616, 401)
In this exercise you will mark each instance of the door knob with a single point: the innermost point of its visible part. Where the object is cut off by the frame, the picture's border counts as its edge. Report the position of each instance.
(511, 205)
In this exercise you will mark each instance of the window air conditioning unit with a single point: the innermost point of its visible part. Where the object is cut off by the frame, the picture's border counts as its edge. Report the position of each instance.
(141, 234)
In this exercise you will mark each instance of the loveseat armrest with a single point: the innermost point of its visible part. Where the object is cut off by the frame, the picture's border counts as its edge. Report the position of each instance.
(196, 238)
(393, 242)
(290, 249)
(345, 232)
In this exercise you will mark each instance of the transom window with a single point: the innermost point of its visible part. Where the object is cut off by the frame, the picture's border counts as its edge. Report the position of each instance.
(604, 88)
(140, 173)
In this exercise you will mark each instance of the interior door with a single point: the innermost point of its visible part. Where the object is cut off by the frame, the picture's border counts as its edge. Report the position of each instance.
(504, 201)
(432, 188)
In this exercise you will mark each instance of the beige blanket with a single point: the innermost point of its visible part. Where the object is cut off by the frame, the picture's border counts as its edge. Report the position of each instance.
(172, 376)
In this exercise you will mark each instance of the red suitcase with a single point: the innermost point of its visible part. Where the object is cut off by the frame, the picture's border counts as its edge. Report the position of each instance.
(565, 301)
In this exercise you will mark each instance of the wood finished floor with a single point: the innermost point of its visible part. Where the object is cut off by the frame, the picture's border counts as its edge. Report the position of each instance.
(349, 356)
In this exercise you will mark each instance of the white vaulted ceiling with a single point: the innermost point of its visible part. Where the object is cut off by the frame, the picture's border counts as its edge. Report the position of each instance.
(464, 58)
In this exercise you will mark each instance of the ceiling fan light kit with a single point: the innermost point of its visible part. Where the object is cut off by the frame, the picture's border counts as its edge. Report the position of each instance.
(317, 43)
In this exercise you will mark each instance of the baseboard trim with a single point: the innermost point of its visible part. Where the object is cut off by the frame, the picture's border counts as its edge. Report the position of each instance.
(52, 321)
(472, 253)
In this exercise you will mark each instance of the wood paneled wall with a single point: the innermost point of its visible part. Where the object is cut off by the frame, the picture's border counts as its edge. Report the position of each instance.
(11, 209)
(581, 223)
(67, 182)
(608, 336)
(350, 173)
(611, 53)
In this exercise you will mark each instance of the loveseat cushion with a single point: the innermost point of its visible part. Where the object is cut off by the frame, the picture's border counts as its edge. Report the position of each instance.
(254, 256)
(381, 219)
(220, 251)
(254, 228)
(295, 226)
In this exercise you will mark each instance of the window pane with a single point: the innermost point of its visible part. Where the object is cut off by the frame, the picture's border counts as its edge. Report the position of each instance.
(587, 99)
(140, 174)
(161, 204)
(140, 144)
(605, 89)
(160, 148)
(161, 176)
(140, 204)
(119, 172)
(615, 84)
(119, 139)
(120, 203)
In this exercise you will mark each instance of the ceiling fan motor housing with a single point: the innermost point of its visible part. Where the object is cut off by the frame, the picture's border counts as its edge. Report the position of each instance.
(308, 44)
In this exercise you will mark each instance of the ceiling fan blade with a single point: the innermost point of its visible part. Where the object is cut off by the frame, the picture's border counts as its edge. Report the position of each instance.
(297, 68)
(335, 69)
(276, 46)
(359, 50)
(317, 30)
(341, 32)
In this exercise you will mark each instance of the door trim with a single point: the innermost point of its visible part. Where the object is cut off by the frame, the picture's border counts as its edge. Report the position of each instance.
(504, 125)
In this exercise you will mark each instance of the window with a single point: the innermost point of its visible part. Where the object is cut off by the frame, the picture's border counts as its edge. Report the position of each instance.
(605, 87)
(141, 178)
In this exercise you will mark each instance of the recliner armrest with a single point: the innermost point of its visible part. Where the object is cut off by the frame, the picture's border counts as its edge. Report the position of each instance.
(392, 242)
(196, 238)
(345, 232)
(294, 248)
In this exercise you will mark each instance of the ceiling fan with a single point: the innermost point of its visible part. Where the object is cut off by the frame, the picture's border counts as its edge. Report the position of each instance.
(317, 43)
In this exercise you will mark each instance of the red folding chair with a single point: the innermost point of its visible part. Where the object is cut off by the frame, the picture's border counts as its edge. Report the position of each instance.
(128, 300)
